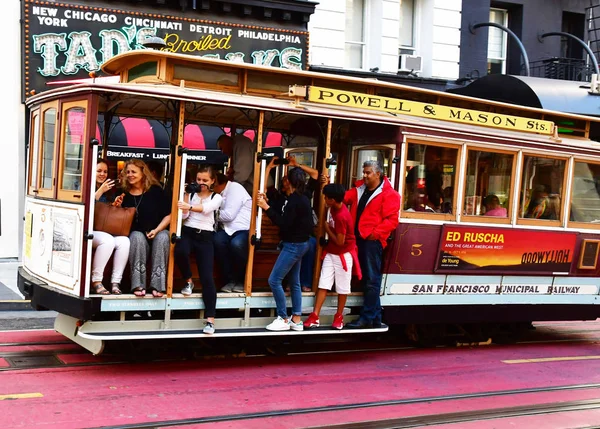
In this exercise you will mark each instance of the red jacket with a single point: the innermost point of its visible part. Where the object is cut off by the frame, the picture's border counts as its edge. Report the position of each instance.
(380, 216)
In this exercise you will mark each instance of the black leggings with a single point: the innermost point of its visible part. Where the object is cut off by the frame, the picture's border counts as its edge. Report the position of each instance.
(202, 245)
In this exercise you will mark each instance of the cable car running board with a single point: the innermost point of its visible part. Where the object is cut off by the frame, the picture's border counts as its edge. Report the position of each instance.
(221, 333)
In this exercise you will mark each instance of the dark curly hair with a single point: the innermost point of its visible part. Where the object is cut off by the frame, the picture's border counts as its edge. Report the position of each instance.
(297, 179)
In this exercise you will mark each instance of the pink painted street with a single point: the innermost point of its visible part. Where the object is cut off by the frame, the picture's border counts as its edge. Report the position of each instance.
(548, 377)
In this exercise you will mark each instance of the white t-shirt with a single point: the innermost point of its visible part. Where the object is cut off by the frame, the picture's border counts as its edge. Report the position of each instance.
(236, 208)
(206, 219)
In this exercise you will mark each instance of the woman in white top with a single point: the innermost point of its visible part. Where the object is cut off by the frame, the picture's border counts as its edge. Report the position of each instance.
(104, 244)
(199, 206)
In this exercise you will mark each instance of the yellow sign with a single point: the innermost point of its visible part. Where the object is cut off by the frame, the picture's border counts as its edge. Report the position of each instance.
(424, 110)
(28, 231)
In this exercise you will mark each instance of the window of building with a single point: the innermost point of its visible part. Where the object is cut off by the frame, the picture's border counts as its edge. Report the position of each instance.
(488, 184)
(431, 179)
(407, 27)
(585, 193)
(497, 42)
(542, 188)
(355, 33)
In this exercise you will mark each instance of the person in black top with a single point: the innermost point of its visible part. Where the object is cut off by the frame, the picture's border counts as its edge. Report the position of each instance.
(278, 199)
(149, 229)
(295, 226)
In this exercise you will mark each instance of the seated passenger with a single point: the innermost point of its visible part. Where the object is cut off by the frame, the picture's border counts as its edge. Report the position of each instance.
(149, 231)
(553, 208)
(242, 150)
(493, 208)
(104, 244)
(197, 233)
(231, 238)
(537, 208)
(339, 256)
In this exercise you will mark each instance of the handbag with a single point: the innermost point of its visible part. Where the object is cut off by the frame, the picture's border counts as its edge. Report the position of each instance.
(115, 221)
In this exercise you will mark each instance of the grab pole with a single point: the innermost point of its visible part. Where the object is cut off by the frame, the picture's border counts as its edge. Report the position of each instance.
(263, 167)
(181, 193)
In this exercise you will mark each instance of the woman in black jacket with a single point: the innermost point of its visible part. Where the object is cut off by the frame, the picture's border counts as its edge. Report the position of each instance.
(295, 226)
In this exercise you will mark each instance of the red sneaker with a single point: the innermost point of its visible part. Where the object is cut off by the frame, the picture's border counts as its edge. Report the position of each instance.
(338, 321)
(312, 321)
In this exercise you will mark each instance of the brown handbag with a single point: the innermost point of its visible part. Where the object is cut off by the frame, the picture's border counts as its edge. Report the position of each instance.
(115, 221)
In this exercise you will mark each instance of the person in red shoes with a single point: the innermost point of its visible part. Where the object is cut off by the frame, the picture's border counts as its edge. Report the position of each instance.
(339, 256)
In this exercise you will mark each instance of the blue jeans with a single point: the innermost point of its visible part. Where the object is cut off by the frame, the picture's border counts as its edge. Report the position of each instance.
(370, 254)
(232, 253)
(288, 261)
(308, 263)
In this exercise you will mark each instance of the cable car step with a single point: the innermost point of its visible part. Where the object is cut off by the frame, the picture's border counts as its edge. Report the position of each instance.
(221, 333)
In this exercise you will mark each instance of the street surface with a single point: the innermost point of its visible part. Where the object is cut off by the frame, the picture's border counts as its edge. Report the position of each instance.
(549, 379)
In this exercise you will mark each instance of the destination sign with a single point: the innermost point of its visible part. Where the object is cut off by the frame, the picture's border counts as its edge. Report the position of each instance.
(424, 110)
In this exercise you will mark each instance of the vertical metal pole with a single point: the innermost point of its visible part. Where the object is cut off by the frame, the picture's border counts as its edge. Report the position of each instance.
(321, 214)
(92, 203)
(263, 167)
(181, 193)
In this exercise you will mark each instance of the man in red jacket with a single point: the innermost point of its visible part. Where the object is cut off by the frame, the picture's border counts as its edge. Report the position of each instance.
(374, 206)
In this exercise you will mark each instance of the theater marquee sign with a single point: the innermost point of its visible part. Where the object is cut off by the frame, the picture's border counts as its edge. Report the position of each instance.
(65, 41)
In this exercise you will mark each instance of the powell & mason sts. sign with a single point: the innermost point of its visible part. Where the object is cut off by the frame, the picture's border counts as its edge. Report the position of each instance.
(65, 41)
(426, 110)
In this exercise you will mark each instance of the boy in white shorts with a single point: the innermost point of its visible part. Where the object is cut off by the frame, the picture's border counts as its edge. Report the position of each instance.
(339, 256)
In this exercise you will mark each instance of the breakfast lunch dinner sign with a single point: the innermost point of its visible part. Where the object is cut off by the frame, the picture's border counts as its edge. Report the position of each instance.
(67, 41)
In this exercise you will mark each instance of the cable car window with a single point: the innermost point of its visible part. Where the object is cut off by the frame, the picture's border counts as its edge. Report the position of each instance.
(303, 157)
(374, 153)
(72, 163)
(33, 151)
(430, 181)
(487, 191)
(541, 188)
(48, 143)
(585, 193)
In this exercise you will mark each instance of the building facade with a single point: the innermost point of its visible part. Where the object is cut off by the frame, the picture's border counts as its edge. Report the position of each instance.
(12, 149)
(402, 40)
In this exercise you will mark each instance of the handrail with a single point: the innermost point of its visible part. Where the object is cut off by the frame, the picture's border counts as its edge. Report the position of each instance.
(473, 27)
(578, 40)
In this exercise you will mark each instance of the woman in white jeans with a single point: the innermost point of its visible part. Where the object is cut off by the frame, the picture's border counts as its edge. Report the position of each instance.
(105, 244)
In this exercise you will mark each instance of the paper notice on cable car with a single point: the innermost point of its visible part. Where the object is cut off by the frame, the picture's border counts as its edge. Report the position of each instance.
(28, 232)
(62, 244)
(504, 251)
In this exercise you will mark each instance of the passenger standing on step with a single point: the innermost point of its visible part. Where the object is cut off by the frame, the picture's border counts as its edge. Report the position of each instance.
(198, 207)
(295, 226)
(231, 238)
(340, 257)
(374, 206)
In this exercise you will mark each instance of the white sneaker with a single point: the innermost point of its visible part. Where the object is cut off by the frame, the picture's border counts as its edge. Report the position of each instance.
(209, 328)
(278, 324)
(238, 288)
(296, 326)
(228, 288)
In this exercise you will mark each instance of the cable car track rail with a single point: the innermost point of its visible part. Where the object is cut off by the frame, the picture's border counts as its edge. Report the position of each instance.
(404, 422)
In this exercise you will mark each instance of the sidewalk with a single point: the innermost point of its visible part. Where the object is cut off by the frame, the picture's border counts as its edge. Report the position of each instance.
(8, 280)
